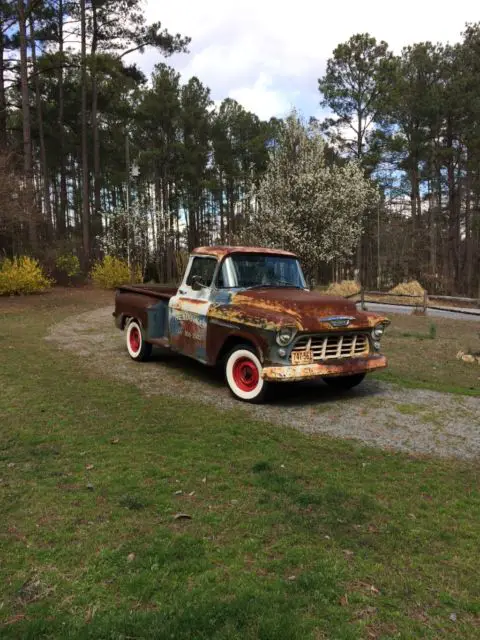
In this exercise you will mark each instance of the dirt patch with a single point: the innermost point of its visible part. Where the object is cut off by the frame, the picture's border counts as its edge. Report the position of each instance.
(56, 298)
(375, 413)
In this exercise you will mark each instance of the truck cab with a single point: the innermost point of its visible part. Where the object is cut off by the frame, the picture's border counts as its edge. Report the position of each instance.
(249, 309)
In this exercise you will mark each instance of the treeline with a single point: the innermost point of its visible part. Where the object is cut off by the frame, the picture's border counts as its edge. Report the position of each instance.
(413, 121)
(95, 157)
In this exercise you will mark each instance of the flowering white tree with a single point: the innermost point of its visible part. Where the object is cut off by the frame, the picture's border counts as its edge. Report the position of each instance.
(306, 206)
(125, 236)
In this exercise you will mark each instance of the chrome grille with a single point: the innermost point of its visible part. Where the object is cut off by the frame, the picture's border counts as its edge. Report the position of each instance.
(333, 347)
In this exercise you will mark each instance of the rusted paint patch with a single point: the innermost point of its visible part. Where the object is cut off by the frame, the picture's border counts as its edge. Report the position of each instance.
(270, 312)
(290, 373)
(222, 251)
(193, 301)
(305, 309)
(249, 317)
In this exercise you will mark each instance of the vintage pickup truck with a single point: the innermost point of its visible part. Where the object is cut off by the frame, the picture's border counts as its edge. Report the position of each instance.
(249, 310)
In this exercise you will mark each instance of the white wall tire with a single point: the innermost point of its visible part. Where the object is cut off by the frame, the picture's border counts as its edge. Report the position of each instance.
(137, 348)
(243, 372)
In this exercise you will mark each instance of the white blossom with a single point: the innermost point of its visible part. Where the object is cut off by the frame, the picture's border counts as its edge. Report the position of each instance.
(126, 235)
(306, 206)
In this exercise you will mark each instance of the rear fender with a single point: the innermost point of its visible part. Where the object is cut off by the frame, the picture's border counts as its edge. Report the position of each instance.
(129, 304)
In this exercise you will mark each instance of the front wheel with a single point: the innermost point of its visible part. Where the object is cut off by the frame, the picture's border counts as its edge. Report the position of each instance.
(137, 348)
(344, 383)
(243, 371)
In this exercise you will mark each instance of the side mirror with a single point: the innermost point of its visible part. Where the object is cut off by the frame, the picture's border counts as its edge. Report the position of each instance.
(197, 283)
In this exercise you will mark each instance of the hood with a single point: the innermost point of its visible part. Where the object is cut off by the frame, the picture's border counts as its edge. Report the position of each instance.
(307, 310)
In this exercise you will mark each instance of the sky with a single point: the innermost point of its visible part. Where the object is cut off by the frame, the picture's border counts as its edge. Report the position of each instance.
(268, 56)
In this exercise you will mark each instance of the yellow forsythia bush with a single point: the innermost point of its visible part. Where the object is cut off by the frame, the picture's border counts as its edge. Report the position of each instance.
(112, 272)
(22, 275)
(68, 264)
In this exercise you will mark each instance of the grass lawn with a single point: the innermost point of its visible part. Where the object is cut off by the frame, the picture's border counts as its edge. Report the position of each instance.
(288, 536)
(422, 356)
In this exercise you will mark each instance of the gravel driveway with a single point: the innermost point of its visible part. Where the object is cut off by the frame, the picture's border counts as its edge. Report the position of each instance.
(376, 413)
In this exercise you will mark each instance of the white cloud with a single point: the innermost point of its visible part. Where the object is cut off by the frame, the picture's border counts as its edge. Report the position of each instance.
(269, 55)
(262, 98)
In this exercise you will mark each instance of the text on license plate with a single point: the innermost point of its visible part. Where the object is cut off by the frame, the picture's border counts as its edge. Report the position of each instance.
(302, 357)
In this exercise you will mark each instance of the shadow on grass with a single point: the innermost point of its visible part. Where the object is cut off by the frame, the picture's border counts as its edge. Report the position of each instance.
(311, 505)
(287, 394)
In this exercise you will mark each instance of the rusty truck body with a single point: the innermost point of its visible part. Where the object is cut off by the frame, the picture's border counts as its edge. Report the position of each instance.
(250, 310)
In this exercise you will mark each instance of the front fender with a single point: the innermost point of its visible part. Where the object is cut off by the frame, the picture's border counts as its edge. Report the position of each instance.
(257, 325)
(219, 333)
(254, 317)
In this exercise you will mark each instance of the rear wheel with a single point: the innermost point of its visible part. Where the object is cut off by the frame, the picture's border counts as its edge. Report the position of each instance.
(243, 371)
(344, 383)
(137, 348)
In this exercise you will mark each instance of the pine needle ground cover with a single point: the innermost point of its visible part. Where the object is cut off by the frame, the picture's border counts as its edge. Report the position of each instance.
(125, 516)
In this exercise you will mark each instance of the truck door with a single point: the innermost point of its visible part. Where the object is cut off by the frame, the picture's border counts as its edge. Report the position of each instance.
(188, 309)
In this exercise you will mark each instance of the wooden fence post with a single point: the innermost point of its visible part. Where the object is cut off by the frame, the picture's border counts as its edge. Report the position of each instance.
(425, 302)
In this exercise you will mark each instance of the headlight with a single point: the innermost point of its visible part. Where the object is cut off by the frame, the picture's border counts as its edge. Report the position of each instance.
(285, 336)
(378, 331)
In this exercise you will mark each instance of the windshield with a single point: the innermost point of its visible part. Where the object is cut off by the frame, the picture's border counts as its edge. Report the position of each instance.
(256, 270)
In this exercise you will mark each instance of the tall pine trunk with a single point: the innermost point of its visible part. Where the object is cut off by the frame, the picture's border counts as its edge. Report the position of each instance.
(44, 177)
(97, 177)
(22, 10)
(3, 101)
(359, 251)
(221, 212)
(452, 222)
(468, 238)
(62, 212)
(85, 173)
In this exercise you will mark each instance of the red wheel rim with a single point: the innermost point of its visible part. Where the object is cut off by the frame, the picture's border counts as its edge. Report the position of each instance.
(245, 374)
(134, 339)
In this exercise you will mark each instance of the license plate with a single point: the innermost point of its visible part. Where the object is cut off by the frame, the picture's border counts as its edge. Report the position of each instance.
(302, 357)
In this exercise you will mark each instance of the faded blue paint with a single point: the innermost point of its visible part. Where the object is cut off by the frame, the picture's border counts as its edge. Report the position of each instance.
(201, 354)
(222, 296)
(157, 320)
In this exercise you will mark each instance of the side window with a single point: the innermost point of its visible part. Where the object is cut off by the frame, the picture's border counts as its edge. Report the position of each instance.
(203, 267)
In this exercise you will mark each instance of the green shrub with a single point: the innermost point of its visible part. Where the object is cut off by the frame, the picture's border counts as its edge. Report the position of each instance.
(21, 276)
(68, 264)
(112, 272)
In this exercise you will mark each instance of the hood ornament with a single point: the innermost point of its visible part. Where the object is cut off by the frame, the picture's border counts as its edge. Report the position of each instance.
(338, 321)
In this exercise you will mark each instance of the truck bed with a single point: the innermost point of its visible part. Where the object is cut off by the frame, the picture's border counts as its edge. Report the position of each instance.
(151, 290)
(148, 303)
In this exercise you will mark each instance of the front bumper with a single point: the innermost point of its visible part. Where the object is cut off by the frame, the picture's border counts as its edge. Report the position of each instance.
(291, 373)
